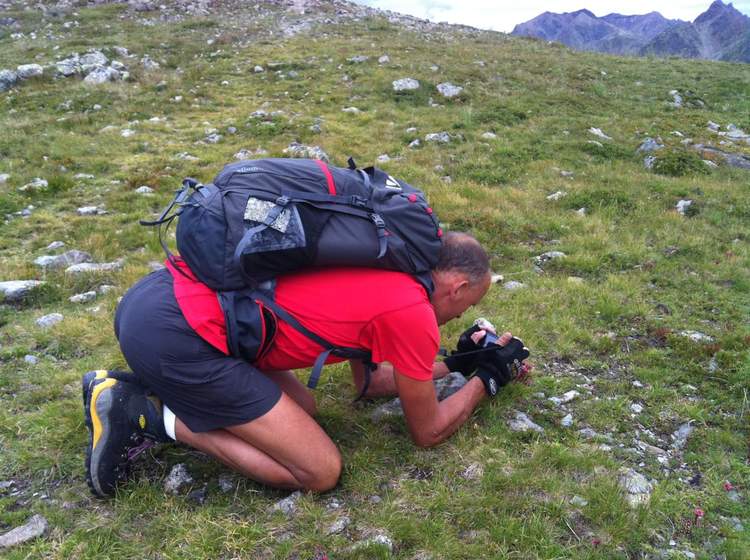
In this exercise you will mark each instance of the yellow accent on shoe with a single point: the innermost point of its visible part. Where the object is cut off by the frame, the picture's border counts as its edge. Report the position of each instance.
(101, 374)
(97, 423)
(142, 422)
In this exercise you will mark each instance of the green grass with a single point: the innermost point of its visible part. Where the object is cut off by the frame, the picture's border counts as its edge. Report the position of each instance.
(634, 255)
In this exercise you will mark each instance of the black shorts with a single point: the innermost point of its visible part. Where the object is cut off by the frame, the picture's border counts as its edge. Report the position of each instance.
(205, 388)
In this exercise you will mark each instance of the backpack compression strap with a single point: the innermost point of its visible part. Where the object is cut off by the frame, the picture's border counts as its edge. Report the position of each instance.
(340, 351)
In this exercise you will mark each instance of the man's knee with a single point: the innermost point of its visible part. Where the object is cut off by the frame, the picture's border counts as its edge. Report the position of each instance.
(322, 477)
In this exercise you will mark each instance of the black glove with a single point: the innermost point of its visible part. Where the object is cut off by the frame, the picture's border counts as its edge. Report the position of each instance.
(465, 364)
(499, 367)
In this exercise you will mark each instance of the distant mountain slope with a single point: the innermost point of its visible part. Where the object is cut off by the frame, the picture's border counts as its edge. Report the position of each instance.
(720, 33)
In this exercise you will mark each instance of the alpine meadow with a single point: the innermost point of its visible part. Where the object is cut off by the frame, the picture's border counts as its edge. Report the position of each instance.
(612, 193)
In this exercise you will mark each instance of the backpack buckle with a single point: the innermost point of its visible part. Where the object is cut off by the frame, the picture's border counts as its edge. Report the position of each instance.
(358, 201)
(378, 221)
(282, 200)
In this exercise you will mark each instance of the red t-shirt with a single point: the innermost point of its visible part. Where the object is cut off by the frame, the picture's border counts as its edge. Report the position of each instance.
(386, 312)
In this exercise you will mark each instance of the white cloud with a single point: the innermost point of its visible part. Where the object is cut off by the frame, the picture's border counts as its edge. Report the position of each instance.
(504, 15)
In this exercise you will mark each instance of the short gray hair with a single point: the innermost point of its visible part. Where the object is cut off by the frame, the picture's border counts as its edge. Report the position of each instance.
(462, 252)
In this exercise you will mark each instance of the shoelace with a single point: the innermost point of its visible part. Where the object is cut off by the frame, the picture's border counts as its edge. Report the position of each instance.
(135, 452)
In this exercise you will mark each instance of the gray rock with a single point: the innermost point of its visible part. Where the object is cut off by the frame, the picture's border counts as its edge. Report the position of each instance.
(448, 90)
(85, 297)
(4, 178)
(178, 478)
(567, 421)
(383, 158)
(681, 435)
(649, 161)
(83, 176)
(50, 320)
(676, 99)
(598, 133)
(198, 495)
(31, 360)
(84, 268)
(68, 66)
(565, 398)
(714, 127)
(390, 409)
(683, 205)
(34, 527)
(379, 540)
(522, 423)
(649, 145)
(297, 150)
(513, 285)
(8, 78)
(258, 69)
(448, 385)
(557, 195)
(213, 138)
(88, 211)
(638, 489)
(339, 526)
(578, 501)
(475, 471)
(567, 174)
(226, 483)
(359, 59)
(101, 75)
(489, 136)
(289, 505)
(54, 262)
(144, 189)
(415, 143)
(385, 59)
(548, 256)
(121, 51)
(36, 184)
(119, 66)
(352, 110)
(16, 290)
(93, 58)
(588, 433)
(149, 64)
(375, 499)
(405, 84)
(740, 161)
(185, 156)
(438, 137)
(27, 71)
(696, 336)
(636, 408)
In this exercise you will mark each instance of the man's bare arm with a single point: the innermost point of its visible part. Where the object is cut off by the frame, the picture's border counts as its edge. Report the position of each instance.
(429, 421)
(382, 383)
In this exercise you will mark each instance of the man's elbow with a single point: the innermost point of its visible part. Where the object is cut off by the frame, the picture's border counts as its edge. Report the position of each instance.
(425, 440)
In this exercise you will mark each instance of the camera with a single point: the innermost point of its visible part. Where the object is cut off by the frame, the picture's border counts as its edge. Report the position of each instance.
(490, 337)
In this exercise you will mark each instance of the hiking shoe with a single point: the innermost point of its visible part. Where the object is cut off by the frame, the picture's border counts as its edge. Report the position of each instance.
(123, 421)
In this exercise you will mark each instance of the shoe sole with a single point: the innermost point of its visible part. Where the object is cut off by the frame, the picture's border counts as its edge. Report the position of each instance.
(93, 423)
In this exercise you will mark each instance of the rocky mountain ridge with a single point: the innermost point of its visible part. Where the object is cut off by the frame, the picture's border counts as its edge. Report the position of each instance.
(719, 33)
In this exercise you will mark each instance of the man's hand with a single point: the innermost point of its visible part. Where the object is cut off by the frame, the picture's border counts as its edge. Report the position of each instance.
(499, 367)
(467, 342)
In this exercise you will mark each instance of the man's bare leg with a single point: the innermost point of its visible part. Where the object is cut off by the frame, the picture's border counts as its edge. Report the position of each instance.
(284, 448)
(295, 389)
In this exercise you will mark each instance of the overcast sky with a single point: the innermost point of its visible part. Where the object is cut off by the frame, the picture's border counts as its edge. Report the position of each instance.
(502, 15)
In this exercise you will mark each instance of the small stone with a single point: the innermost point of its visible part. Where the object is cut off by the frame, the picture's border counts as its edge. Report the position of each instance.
(567, 421)
(258, 69)
(297, 150)
(696, 336)
(339, 525)
(8, 78)
(681, 435)
(588, 433)
(438, 138)
(636, 408)
(489, 136)
(385, 59)
(683, 205)
(405, 84)
(54, 262)
(383, 158)
(449, 385)
(578, 501)
(352, 110)
(475, 471)
(144, 189)
(213, 138)
(598, 132)
(714, 127)
(127, 133)
(50, 320)
(649, 161)
(375, 499)
(102, 75)
(27, 71)
(178, 478)
(333, 504)
(106, 288)
(85, 297)
(496, 278)
(226, 483)
(549, 256)
(649, 145)
(638, 489)
(576, 280)
(359, 59)
(4, 178)
(55, 245)
(16, 290)
(566, 174)
(36, 184)
(513, 285)
(411, 130)
(448, 90)
(185, 156)
(34, 527)
(557, 195)
(522, 423)
(379, 540)
(415, 143)
(390, 409)
(94, 267)
(88, 211)
(565, 398)
(31, 360)
(288, 506)
(198, 495)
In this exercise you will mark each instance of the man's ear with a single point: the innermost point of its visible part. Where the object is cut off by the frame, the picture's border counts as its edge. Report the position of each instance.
(460, 285)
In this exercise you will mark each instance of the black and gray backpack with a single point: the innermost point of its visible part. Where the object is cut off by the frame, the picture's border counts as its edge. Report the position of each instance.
(262, 218)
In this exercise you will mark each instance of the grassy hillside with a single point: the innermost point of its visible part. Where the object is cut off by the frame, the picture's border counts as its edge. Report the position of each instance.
(608, 320)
